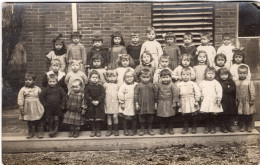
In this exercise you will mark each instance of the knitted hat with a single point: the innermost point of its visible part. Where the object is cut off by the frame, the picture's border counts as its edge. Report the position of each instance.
(30, 75)
(116, 34)
(97, 38)
(76, 33)
(169, 34)
(58, 39)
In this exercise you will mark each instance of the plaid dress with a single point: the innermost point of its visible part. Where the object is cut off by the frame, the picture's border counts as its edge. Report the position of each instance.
(74, 108)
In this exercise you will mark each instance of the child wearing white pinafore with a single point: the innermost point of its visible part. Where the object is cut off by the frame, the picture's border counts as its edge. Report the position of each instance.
(125, 62)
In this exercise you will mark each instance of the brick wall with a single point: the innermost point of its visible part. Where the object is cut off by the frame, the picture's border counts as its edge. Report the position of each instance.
(225, 21)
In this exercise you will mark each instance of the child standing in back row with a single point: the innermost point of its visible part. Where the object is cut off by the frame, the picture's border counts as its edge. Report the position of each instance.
(188, 47)
(134, 48)
(152, 46)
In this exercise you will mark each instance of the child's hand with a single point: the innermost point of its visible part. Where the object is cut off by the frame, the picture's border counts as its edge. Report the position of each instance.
(155, 106)
(122, 106)
(251, 102)
(83, 112)
(21, 110)
(178, 104)
(201, 98)
(95, 103)
(196, 104)
(218, 103)
(137, 107)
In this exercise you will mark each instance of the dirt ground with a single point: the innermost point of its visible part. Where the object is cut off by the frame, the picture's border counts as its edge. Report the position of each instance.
(196, 154)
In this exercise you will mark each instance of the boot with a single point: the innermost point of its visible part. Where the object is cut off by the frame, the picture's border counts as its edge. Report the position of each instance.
(249, 123)
(56, 128)
(71, 134)
(229, 128)
(40, 132)
(126, 133)
(223, 127)
(98, 133)
(171, 129)
(242, 123)
(194, 125)
(141, 133)
(150, 129)
(30, 130)
(185, 125)
(213, 128)
(109, 130)
(116, 133)
(134, 131)
(93, 127)
(162, 129)
(76, 133)
(207, 128)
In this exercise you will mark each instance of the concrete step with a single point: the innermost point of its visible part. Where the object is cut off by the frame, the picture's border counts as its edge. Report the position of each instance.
(15, 143)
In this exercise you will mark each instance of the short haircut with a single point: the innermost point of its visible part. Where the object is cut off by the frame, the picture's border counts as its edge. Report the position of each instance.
(110, 72)
(75, 62)
(145, 72)
(188, 34)
(165, 72)
(164, 57)
(225, 35)
(150, 29)
(52, 77)
(29, 75)
(209, 69)
(128, 71)
(185, 70)
(242, 67)
(188, 56)
(94, 72)
(56, 61)
(220, 55)
(206, 34)
(79, 81)
(125, 56)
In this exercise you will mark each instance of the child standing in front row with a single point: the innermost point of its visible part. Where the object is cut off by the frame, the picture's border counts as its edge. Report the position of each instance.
(75, 108)
(126, 102)
(76, 51)
(211, 52)
(95, 96)
(111, 101)
(188, 47)
(30, 106)
(167, 95)
(227, 49)
(189, 101)
(201, 66)
(211, 95)
(172, 50)
(134, 48)
(238, 59)
(152, 46)
(144, 99)
(228, 100)
(164, 64)
(245, 98)
(117, 47)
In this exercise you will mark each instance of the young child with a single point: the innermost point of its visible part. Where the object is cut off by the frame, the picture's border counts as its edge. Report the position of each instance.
(97, 49)
(184, 62)
(95, 95)
(238, 59)
(55, 69)
(76, 51)
(111, 101)
(211, 95)
(228, 99)
(146, 60)
(144, 99)
(76, 108)
(211, 52)
(220, 60)
(126, 102)
(189, 101)
(59, 52)
(30, 106)
(117, 47)
(167, 95)
(125, 62)
(188, 47)
(201, 66)
(152, 46)
(134, 48)
(97, 61)
(164, 64)
(53, 99)
(245, 98)
(171, 49)
(227, 49)
(75, 74)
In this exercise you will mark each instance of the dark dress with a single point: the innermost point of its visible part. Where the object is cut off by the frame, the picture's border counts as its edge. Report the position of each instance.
(144, 95)
(139, 68)
(53, 98)
(95, 92)
(189, 50)
(229, 96)
(102, 51)
(134, 52)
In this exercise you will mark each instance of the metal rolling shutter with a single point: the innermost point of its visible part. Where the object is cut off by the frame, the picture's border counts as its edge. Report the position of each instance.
(180, 17)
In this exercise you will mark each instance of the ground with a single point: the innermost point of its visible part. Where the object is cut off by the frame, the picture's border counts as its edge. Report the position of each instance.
(196, 154)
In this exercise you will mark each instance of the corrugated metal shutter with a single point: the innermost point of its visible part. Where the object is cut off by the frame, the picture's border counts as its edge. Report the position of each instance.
(180, 17)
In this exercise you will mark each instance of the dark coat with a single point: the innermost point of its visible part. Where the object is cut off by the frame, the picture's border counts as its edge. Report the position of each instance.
(134, 52)
(61, 83)
(102, 51)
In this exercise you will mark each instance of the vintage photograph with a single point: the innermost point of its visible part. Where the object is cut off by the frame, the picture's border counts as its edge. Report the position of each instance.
(174, 82)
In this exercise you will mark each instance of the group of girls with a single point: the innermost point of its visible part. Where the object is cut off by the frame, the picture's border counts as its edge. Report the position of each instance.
(137, 82)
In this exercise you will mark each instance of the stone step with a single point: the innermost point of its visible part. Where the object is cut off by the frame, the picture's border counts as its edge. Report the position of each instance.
(15, 143)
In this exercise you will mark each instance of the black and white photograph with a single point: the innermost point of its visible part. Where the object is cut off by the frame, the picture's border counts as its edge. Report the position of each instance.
(130, 82)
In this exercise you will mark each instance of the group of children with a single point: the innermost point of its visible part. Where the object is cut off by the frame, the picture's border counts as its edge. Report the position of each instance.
(138, 81)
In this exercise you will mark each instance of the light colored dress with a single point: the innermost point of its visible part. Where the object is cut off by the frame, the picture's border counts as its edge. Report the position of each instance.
(156, 76)
(51, 56)
(227, 50)
(29, 99)
(176, 74)
(211, 91)
(167, 95)
(245, 91)
(200, 72)
(211, 53)
(71, 76)
(114, 53)
(121, 72)
(111, 98)
(234, 72)
(189, 93)
(154, 47)
(126, 96)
